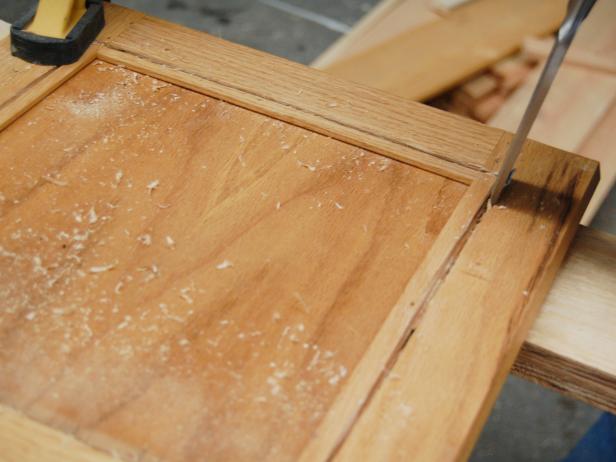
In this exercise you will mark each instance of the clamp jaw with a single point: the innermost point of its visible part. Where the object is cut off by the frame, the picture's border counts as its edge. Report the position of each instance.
(57, 32)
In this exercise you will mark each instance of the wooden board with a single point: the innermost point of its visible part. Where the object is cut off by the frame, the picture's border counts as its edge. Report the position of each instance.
(202, 259)
(434, 57)
(385, 21)
(24, 440)
(577, 321)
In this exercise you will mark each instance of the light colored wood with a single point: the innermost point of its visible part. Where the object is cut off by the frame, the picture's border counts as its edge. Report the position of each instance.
(388, 19)
(599, 145)
(24, 440)
(432, 58)
(480, 86)
(572, 347)
(288, 91)
(576, 103)
(235, 310)
(5, 27)
(35, 87)
(595, 42)
(16, 74)
(511, 72)
(446, 6)
(397, 327)
(539, 49)
(167, 250)
(434, 401)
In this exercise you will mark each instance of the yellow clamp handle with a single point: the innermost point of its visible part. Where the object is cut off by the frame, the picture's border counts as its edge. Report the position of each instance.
(56, 18)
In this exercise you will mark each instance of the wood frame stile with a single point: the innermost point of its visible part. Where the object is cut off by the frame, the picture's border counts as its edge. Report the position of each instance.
(477, 292)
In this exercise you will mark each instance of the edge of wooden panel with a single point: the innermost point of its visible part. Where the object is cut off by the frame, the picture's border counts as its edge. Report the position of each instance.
(25, 440)
(39, 81)
(395, 127)
(41, 86)
(325, 123)
(484, 308)
(566, 376)
(399, 324)
(571, 347)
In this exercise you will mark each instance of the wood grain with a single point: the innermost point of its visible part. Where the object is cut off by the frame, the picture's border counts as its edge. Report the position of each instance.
(571, 346)
(480, 315)
(290, 92)
(599, 145)
(432, 58)
(16, 74)
(385, 21)
(24, 440)
(171, 247)
(23, 84)
(398, 326)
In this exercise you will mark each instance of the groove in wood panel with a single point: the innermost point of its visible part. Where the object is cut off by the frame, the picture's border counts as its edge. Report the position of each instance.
(399, 326)
(39, 87)
(481, 315)
(23, 84)
(24, 440)
(320, 122)
(305, 96)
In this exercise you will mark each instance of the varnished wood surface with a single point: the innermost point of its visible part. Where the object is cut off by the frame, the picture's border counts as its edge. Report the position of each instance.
(23, 84)
(216, 273)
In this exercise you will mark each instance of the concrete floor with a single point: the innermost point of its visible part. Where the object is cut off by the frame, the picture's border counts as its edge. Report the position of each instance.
(528, 423)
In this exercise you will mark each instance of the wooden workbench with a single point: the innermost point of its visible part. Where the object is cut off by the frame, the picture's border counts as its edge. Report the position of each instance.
(209, 250)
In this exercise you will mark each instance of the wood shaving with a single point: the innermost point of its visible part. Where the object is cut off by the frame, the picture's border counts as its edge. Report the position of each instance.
(184, 293)
(55, 181)
(102, 268)
(152, 185)
(224, 265)
(118, 178)
(145, 239)
(311, 168)
(92, 216)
